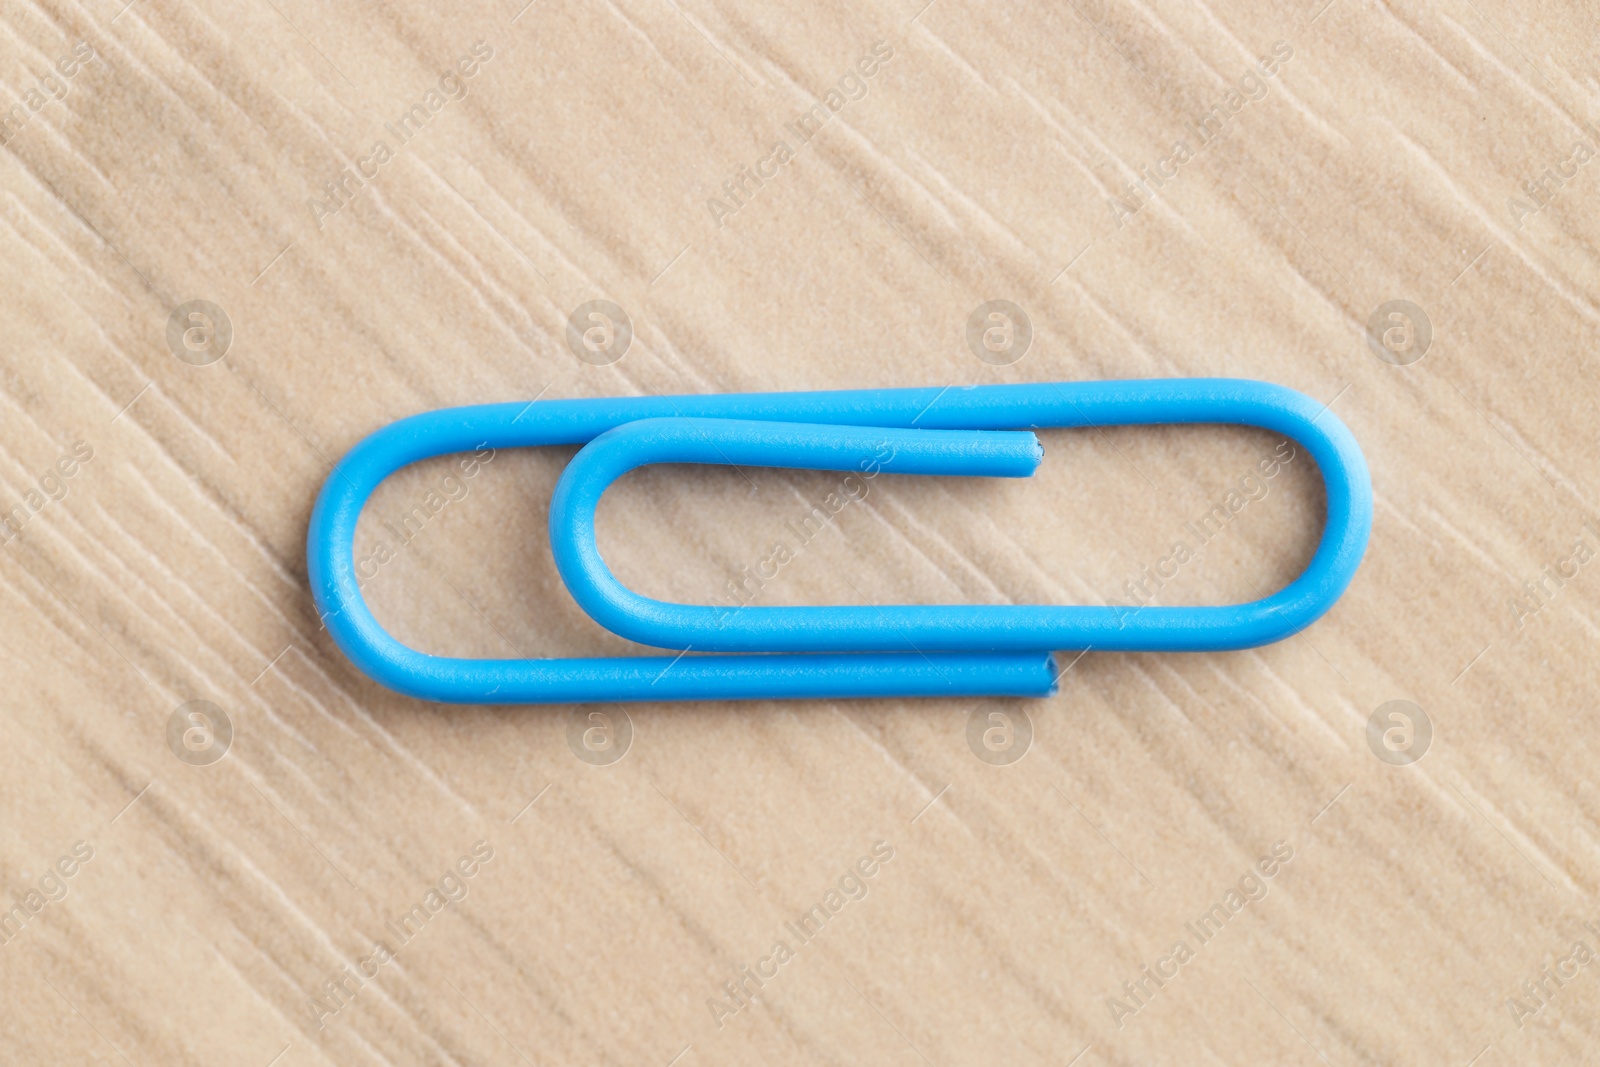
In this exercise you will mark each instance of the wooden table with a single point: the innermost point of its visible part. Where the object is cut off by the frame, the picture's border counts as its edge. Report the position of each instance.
(240, 236)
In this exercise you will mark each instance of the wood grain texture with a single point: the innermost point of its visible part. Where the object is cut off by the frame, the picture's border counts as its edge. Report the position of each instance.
(254, 910)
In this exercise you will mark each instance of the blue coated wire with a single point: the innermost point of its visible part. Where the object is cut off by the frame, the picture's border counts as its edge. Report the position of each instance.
(857, 672)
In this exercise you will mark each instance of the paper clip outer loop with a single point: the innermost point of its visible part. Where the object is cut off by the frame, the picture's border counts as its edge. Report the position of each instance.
(989, 627)
(337, 593)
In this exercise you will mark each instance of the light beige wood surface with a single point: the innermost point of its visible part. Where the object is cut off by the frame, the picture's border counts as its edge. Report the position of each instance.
(252, 910)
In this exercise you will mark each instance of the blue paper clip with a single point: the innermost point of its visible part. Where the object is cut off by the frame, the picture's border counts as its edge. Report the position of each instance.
(958, 650)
